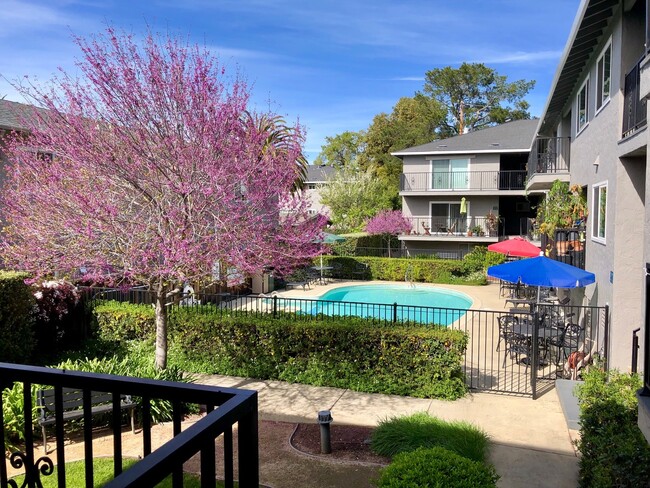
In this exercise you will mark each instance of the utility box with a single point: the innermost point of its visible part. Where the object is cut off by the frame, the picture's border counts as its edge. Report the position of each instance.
(263, 283)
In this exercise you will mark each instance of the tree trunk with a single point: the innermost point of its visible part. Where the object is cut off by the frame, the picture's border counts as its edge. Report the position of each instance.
(161, 327)
(388, 246)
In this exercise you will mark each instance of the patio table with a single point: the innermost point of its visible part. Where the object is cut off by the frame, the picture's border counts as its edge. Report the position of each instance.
(322, 280)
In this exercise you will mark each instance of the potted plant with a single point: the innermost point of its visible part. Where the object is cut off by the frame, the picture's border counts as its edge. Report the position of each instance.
(563, 206)
(492, 222)
(476, 230)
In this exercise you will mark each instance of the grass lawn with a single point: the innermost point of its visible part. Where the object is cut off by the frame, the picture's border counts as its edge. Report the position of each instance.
(103, 473)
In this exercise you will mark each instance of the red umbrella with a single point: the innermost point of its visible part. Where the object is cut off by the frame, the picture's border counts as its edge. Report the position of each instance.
(517, 246)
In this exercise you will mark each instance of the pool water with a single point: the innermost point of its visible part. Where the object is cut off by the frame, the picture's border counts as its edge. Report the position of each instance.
(420, 304)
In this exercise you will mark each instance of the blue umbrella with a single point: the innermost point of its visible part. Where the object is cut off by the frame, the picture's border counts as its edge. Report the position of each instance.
(542, 271)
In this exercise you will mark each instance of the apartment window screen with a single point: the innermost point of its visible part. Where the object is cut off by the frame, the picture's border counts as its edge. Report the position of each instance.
(583, 106)
(599, 211)
(604, 76)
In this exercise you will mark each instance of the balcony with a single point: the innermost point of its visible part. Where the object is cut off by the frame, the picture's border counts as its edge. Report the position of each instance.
(225, 407)
(549, 160)
(462, 181)
(634, 109)
(453, 228)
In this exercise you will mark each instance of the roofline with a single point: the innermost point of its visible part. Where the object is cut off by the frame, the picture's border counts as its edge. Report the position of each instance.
(480, 151)
(577, 21)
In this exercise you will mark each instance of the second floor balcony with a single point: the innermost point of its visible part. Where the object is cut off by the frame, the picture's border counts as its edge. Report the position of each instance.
(454, 227)
(441, 181)
(635, 114)
(549, 160)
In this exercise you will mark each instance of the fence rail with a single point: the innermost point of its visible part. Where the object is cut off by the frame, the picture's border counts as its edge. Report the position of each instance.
(549, 155)
(225, 408)
(634, 109)
(461, 226)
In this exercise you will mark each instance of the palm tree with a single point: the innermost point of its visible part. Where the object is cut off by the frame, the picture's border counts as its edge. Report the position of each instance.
(279, 137)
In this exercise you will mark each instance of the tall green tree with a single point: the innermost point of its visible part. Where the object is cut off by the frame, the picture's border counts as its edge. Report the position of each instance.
(342, 150)
(476, 96)
(413, 121)
(354, 196)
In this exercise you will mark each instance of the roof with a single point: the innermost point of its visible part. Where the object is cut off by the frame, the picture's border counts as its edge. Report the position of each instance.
(12, 113)
(515, 136)
(319, 173)
(591, 21)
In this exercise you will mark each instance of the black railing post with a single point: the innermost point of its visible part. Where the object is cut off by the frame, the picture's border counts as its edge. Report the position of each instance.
(534, 366)
(646, 335)
(635, 350)
(395, 312)
(606, 338)
(275, 306)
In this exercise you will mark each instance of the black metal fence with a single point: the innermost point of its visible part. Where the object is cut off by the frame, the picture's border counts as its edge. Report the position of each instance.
(463, 180)
(568, 336)
(567, 247)
(395, 252)
(225, 407)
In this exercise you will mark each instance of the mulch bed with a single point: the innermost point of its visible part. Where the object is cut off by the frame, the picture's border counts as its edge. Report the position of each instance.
(349, 443)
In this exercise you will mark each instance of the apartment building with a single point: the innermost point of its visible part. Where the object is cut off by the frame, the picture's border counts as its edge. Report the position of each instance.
(467, 190)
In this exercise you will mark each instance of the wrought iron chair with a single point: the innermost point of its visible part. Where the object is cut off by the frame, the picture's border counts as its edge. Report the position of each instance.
(506, 323)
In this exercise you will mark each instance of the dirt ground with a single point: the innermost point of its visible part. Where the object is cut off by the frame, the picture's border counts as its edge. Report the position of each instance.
(289, 454)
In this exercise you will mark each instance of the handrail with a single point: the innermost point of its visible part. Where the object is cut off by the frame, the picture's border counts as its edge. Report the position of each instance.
(234, 406)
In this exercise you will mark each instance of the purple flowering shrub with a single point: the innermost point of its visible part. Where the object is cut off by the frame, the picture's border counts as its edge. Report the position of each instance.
(54, 299)
(390, 222)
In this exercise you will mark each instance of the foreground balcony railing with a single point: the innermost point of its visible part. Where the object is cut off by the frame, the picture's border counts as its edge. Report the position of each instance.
(549, 155)
(225, 407)
(454, 226)
(463, 180)
(634, 110)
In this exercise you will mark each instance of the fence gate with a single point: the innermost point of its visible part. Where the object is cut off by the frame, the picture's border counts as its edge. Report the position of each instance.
(501, 356)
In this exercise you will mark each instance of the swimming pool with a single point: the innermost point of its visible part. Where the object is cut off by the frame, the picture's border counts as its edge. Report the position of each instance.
(422, 304)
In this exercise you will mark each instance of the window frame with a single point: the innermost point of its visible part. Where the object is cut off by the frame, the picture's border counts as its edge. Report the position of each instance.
(602, 100)
(584, 87)
(596, 190)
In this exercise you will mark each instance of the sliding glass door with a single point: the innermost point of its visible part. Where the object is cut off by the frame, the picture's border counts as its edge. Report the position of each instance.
(449, 174)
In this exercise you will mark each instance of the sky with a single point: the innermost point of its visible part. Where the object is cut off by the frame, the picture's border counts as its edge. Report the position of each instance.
(331, 65)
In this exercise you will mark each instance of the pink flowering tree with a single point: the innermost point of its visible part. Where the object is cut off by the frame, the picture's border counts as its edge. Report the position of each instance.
(150, 168)
(388, 223)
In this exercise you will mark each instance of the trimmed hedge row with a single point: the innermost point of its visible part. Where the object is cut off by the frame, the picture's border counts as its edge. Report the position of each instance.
(16, 318)
(347, 353)
(469, 270)
(614, 450)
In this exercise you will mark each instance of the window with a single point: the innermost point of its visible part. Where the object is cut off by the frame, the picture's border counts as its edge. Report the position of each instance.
(599, 211)
(582, 107)
(449, 174)
(311, 186)
(604, 76)
(446, 217)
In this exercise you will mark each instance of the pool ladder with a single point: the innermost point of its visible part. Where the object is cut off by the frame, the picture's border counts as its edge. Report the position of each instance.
(408, 276)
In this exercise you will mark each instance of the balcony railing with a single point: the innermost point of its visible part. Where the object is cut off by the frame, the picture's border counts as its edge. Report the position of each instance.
(634, 110)
(454, 226)
(463, 181)
(549, 155)
(225, 407)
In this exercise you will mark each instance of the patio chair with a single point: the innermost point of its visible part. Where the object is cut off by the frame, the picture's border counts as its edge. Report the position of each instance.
(517, 345)
(564, 343)
(506, 323)
(451, 229)
(361, 271)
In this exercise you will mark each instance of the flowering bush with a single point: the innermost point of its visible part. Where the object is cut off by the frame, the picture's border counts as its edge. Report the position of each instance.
(388, 222)
(54, 299)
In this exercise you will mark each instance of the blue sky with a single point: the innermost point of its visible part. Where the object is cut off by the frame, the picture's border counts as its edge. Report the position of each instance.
(330, 64)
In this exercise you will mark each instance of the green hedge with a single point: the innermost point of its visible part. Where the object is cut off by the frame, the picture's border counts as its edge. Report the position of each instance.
(347, 352)
(436, 467)
(117, 321)
(614, 450)
(469, 270)
(16, 318)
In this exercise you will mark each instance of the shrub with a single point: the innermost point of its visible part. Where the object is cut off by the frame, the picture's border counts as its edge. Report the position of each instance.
(117, 321)
(13, 415)
(421, 270)
(614, 450)
(16, 318)
(407, 433)
(436, 467)
(343, 352)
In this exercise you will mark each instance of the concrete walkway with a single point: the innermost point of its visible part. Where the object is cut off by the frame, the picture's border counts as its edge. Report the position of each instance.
(531, 445)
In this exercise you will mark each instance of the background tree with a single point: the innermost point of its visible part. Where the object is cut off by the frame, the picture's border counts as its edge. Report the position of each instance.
(388, 223)
(342, 150)
(476, 96)
(353, 196)
(158, 174)
(562, 207)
